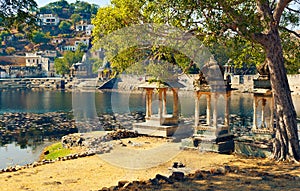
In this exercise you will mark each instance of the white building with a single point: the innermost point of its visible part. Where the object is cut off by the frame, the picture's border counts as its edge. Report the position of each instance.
(57, 40)
(72, 44)
(3, 73)
(87, 28)
(35, 60)
(48, 19)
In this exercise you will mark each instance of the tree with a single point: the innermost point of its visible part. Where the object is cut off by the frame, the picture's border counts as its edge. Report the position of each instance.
(62, 65)
(65, 10)
(256, 25)
(257, 22)
(65, 27)
(75, 19)
(4, 35)
(40, 37)
(17, 11)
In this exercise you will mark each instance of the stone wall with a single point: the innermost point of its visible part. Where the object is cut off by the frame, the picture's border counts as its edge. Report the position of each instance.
(126, 82)
(294, 81)
(245, 83)
(32, 83)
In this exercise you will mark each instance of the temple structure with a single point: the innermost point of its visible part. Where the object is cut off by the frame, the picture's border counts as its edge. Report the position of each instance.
(263, 107)
(213, 134)
(259, 142)
(162, 123)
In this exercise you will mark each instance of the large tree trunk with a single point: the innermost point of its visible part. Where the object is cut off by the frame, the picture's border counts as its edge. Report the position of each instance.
(286, 142)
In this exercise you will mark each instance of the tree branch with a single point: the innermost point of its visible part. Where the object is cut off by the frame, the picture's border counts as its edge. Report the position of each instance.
(290, 31)
(290, 9)
(273, 5)
(281, 5)
(264, 10)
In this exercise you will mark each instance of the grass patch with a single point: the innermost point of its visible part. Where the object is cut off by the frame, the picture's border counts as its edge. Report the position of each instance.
(55, 150)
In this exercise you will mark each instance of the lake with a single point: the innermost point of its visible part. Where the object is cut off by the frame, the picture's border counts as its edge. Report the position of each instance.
(88, 104)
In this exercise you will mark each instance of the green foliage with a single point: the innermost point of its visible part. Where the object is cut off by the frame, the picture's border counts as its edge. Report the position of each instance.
(97, 63)
(62, 65)
(40, 37)
(227, 28)
(65, 10)
(65, 27)
(56, 150)
(14, 12)
(82, 47)
(75, 18)
(120, 14)
(291, 45)
(4, 35)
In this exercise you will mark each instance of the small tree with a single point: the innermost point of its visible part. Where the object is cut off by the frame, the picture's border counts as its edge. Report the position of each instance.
(75, 19)
(65, 27)
(4, 35)
(40, 37)
(63, 65)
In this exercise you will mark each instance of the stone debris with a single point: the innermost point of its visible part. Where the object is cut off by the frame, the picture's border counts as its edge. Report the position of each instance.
(60, 125)
(162, 182)
(97, 144)
(54, 125)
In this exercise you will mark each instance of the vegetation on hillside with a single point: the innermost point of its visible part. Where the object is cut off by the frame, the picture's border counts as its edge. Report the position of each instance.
(62, 65)
(66, 11)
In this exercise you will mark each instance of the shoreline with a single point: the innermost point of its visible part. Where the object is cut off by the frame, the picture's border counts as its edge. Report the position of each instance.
(124, 83)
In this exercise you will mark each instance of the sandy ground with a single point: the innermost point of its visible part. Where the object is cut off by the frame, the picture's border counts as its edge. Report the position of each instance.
(139, 159)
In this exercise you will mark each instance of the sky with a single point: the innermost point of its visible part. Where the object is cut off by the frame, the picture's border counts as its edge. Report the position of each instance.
(42, 3)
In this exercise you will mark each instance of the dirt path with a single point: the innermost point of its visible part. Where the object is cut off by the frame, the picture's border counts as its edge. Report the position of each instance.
(94, 172)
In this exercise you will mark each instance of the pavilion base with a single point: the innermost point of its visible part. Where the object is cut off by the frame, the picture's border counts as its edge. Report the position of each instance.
(255, 145)
(224, 144)
(151, 129)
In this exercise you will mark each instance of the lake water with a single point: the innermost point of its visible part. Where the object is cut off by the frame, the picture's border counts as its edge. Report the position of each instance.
(88, 104)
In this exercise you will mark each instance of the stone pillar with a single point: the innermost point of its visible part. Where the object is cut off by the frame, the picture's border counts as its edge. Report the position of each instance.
(271, 126)
(196, 110)
(164, 103)
(263, 105)
(149, 102)
(255, 113)
(175, 102)
(226, 117)
(208, 110)
(215, 111)
(160, 105)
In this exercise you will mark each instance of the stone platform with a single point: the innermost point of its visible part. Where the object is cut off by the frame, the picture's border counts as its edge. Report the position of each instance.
(151, 129)
(257, 146)
(224, 144)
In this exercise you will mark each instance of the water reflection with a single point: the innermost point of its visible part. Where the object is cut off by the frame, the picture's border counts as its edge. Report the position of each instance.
(13, 154)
